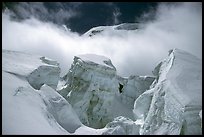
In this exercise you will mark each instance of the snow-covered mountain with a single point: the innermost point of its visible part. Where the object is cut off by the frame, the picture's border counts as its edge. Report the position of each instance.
(92, 99)
(113, 30)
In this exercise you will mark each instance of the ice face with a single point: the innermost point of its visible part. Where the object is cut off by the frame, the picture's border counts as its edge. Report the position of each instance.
(97, 93)
(174, 100)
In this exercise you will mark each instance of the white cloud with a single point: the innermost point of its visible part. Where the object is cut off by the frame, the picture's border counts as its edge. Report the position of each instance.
(175, 26)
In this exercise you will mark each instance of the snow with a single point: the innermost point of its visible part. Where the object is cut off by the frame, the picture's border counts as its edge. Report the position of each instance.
(92, 99)
(23, 110)
(174, 99)
(38, 70)
(122, 126)
(97, 93)
(113, 30)
(98, 59)
(84, 130)
(26, 110)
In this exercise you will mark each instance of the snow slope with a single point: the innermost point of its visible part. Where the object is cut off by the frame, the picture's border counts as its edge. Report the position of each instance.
(36, 69)
(26, 110)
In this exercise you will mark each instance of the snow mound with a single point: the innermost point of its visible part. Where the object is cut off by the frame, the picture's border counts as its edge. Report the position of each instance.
(173, 103)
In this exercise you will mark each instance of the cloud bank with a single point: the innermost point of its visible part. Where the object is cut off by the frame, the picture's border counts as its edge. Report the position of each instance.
(133, 53)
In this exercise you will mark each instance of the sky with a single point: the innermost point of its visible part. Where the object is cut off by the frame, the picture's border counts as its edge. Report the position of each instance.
(37, 28)
(82, 16)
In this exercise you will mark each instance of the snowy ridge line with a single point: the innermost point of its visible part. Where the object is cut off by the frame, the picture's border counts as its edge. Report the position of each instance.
(115, 29)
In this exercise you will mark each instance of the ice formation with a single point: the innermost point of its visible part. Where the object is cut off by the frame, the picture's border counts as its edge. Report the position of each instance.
(173, 103)
(97, 93)
(29, 109)
(92, 99)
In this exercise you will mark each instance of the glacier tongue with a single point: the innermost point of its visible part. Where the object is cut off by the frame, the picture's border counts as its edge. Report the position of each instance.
(97, 93)
(175, 100)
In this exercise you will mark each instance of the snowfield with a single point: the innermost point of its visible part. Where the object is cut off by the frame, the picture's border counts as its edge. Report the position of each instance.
(92, 99)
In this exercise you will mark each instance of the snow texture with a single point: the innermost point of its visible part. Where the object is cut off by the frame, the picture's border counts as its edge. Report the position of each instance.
(26, 110)
(173, 103)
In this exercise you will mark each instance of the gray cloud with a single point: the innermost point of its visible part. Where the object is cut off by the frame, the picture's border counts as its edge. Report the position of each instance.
(39, 10)
(175, 26)
(116, 14)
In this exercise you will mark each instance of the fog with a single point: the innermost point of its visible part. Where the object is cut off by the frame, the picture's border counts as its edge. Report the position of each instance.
(132, 53)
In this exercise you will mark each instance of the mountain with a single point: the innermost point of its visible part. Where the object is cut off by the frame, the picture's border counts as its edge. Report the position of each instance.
(30, 103)
(93, 99)
(115, 29)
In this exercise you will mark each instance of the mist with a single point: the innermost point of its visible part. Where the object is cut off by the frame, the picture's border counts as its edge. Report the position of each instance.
(132, 53)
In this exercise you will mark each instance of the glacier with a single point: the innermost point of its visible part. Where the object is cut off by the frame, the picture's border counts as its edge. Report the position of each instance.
(175, 100)
(97, 93)
(33, 106)
(93, 99)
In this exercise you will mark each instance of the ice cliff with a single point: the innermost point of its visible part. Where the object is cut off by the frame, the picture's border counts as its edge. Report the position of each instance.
(173, 103)
(97, 93)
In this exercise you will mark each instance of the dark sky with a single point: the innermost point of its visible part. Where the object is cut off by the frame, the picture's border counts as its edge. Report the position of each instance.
(81, 16)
